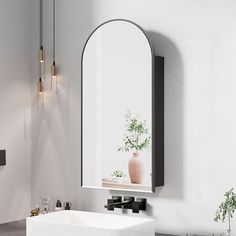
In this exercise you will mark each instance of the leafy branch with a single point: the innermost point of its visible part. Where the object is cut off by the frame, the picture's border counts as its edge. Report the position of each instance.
(136, 137)
(226, 209)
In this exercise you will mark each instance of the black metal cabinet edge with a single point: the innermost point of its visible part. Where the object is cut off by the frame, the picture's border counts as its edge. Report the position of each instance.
(2, 157)
(158, 122)
(157, 234)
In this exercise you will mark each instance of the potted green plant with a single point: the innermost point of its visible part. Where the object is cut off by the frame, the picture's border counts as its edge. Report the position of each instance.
(226, 209)
(136, 139)
(118, 176)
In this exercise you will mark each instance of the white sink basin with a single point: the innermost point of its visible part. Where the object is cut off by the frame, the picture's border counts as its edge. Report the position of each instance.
(79, 223)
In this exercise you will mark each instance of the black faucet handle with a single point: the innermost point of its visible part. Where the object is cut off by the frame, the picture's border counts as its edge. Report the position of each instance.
(114, 199)
(142, 203)
(139, 204)
(117, 199)
(109, 202)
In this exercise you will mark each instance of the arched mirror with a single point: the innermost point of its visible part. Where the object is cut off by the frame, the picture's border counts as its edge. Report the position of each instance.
(122, 110)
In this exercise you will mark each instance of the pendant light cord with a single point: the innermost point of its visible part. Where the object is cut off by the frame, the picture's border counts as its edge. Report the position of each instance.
(41, 24)
(54, 30)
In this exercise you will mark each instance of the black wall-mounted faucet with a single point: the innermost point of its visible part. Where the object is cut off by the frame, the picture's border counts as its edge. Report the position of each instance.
(127, 203)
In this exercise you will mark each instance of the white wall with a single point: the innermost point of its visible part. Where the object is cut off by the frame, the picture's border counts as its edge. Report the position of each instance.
(15, 106)
(197, 39)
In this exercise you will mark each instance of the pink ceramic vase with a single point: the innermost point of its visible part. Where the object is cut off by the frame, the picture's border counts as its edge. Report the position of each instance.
(136, 169)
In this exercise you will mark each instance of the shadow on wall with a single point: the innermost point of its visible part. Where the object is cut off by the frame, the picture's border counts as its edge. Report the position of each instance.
(174, 179)
(56, 128)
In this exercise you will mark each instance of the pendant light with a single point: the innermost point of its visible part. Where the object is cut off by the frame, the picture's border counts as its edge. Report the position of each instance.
(41, 50)
(40, 86)
(40, 95)
(54, 78)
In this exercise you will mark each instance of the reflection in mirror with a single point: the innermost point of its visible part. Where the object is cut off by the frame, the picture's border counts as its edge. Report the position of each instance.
(117, 73)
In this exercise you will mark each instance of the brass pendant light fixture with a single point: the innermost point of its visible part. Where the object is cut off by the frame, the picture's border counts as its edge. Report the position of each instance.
(41, 50)
(40, 86)
(40, 94)
(54, 77)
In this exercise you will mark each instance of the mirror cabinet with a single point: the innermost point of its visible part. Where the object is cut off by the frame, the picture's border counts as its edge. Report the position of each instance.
(122, 109)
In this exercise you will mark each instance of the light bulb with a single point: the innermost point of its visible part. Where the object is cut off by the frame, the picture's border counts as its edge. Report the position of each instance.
(40, 86)
(54, 70)
(41, 55)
